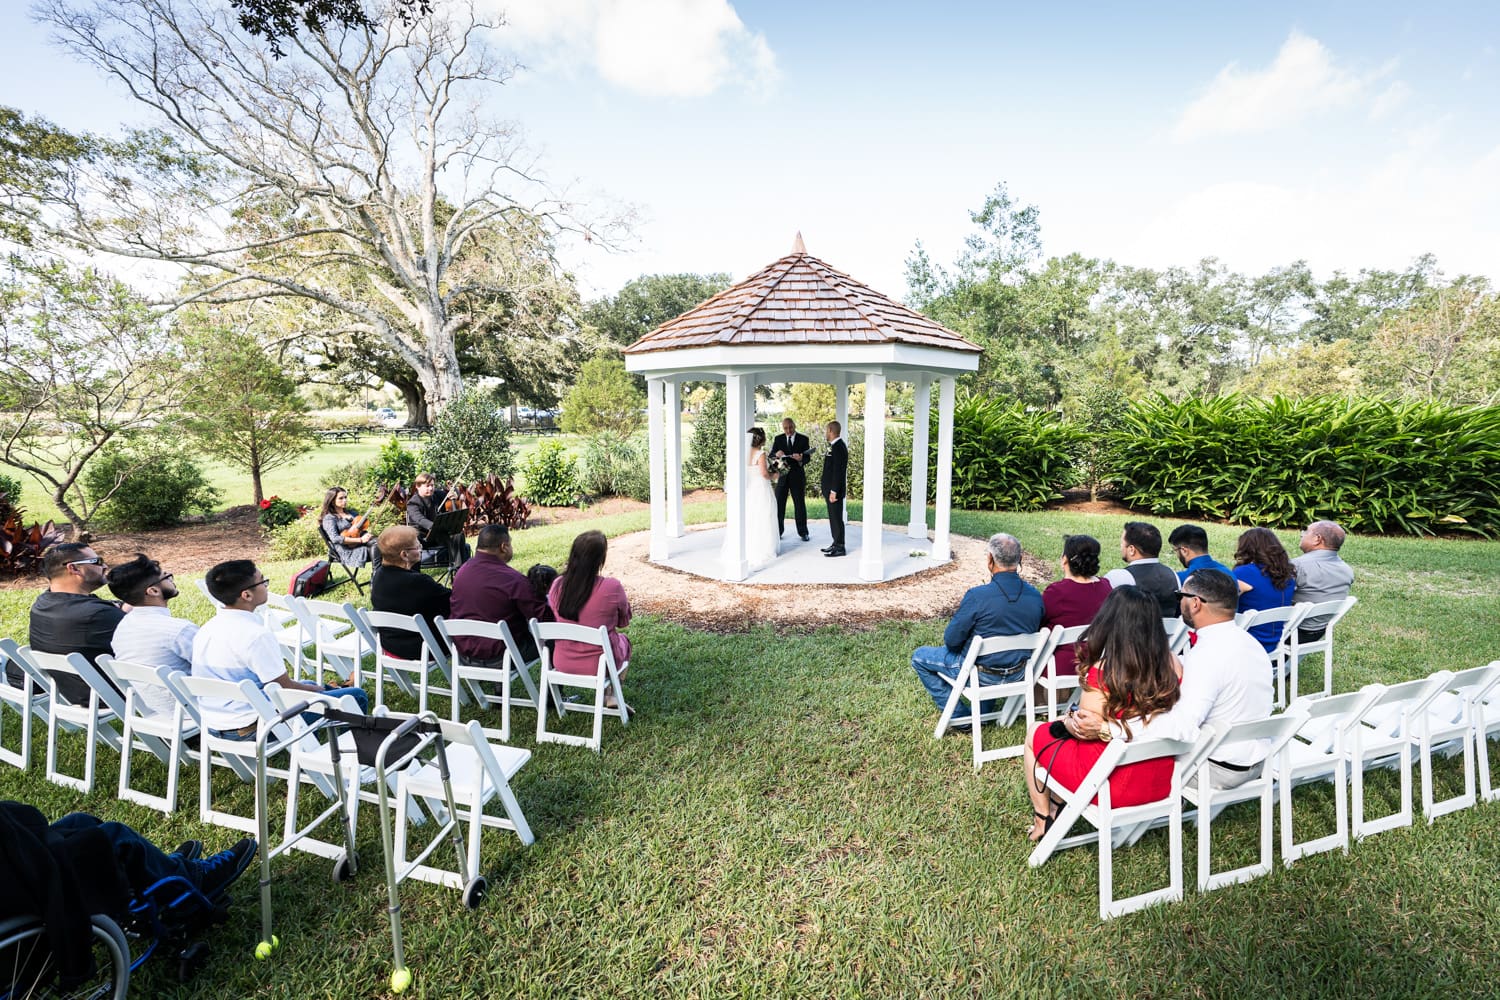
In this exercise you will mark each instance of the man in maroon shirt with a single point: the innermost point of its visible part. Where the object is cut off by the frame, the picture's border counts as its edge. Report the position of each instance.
(487, 588)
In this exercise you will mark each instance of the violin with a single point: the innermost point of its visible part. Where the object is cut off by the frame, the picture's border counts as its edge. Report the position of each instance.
(451, 499)
(357, 528)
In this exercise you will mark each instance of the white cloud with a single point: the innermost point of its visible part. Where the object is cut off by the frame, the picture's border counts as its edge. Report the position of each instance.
(1389, 100)
(1303, 80)
(1419, 198)
(659, 48)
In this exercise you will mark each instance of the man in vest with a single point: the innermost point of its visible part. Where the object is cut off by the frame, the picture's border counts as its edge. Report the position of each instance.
(1140, 545)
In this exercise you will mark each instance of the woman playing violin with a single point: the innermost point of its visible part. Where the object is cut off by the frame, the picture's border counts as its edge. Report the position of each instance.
(346, 528)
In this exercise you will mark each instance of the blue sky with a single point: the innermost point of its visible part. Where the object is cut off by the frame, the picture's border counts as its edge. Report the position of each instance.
(1350, 135)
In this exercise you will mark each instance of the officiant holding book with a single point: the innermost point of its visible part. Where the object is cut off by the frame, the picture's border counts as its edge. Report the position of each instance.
(795, 449)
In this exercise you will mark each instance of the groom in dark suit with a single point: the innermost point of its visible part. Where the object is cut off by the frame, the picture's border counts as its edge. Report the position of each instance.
(835, 473)
(794, 447)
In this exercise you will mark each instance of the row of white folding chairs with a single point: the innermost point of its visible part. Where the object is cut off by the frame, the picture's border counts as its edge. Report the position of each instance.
(1286, 658)
(1336, 738)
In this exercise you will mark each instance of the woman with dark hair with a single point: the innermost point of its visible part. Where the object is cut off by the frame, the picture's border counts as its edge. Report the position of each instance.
(1130, 677)
(762, 530)
(336, 516)
(581, 596)
(1266, 578)
(1077, 597)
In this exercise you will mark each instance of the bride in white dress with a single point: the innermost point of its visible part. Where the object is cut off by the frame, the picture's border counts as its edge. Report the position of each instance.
(762, 540)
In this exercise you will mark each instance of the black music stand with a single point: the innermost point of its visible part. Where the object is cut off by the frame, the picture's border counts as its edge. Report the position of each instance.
(447, 536)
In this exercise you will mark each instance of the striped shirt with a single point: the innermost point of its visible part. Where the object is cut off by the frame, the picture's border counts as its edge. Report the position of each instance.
(152, 637)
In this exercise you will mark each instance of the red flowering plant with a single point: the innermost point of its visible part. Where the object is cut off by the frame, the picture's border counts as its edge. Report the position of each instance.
(275, 512)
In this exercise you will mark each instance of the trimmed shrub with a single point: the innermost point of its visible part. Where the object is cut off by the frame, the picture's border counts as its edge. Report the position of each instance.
(470, 439)
(552, 476)
(704, 468)
(299, 539)
(1374, 466)
(359, 478)
(394, 466)
(153, 487)
(1006, 457)
(612, 467)
(11, 487)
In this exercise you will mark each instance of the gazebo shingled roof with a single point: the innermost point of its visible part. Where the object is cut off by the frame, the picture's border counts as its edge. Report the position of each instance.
(799, 300)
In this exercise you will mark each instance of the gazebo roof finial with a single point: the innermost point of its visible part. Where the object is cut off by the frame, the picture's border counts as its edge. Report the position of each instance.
(797, 245)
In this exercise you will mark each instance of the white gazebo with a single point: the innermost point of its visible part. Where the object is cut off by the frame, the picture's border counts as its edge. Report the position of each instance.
(800, 320)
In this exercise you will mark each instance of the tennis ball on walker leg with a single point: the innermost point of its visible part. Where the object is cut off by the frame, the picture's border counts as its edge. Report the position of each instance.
(400, 980)
(264, 949)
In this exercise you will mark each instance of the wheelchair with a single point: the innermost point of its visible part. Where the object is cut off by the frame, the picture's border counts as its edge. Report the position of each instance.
(164, 920)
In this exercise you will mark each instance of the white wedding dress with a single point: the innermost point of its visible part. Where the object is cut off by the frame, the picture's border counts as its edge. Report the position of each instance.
(762, 541)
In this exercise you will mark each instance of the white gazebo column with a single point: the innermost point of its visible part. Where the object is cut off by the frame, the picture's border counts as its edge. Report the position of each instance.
(841, 401)
(674, 458)
(735, 430)
(941, 547)
(872, 556)
(655, 404)
(916, 526)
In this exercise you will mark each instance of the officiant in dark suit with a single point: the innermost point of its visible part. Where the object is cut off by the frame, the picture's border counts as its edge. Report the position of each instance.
(835, 475)
(794, 448)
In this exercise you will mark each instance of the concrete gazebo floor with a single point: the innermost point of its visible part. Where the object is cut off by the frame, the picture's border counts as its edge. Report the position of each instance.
(712, 605)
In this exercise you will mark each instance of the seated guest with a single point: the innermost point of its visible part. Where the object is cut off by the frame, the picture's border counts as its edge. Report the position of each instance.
(336, 517)
(1130, 677)
(1140, 545)
(1006, 605)
(1265, 580)
(1077, 597)
(67, 617)
(581, 596)
(540, 576)
(1322, 575)
(422, 509)
(1190, 542)
(236, 645)
(149, 634)
(403, 589)
(487, 588)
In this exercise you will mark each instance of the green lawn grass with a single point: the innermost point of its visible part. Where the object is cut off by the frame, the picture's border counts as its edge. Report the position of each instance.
(777, 821)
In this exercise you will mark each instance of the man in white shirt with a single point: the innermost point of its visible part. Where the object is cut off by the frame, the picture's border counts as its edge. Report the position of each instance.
(236, 645)
(149, 634)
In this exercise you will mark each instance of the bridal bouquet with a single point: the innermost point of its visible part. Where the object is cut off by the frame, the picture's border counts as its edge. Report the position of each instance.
(778, 465)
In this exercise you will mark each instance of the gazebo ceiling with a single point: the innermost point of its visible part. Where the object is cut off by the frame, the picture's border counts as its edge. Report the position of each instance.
(800, 300)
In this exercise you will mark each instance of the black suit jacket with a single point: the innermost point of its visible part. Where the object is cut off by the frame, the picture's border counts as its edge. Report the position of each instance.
(797, 444)
(835, 469)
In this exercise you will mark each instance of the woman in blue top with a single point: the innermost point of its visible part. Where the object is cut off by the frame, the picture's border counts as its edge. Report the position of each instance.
(1266, 578)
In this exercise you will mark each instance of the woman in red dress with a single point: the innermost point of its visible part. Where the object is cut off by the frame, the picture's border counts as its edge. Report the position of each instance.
(1129, 675)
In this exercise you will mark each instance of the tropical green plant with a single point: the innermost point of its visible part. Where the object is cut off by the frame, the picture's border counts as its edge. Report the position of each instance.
(1372, 465)
(146, 485)
(552, 476)
(1006, 457)
(470, 439)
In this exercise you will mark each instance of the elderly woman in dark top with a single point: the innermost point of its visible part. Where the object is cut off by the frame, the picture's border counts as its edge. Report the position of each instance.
(336, 517)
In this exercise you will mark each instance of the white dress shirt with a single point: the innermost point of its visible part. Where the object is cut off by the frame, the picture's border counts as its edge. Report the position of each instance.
(152, 637)
(235, 646)
(1226, 678)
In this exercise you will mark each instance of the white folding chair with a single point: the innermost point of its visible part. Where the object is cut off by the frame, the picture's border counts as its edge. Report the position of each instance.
(329, 640)
(480, 772)
(1287, 618)
(1388, 734)
(1208, 801)
(413, 677)
(1121, 826)
(1453, 725)
(203, 588)
(164, 735)
(1177, 634)
(606, 675)
(1486, 728)
(95, 719)
(1014, 696)
(30, 699)
(1320, 751)
(475, 677)
(1334, 611)
(1053, 682)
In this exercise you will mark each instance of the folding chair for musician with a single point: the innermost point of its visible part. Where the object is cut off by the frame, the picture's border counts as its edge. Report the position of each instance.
(606, 675)
(390, 744)
(1121, 826)
(481, 680)
(28, 700)
(1014, 696)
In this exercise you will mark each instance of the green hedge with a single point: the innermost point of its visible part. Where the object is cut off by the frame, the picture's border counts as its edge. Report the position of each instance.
(1006, 457)
(1371, 465)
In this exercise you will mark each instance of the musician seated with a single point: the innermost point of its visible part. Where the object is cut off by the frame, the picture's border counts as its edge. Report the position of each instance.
(422, 509)
(346, 529)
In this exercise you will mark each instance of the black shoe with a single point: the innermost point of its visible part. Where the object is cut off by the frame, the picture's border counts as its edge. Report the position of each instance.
(189, 850)
(806, 538)
(218, 873)
(835, 552)
(828, 548)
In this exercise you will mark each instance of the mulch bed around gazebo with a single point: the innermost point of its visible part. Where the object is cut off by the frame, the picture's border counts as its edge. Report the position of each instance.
(717, 606)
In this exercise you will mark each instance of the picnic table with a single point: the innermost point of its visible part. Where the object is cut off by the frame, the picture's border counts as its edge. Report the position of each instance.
(350, 434)
(543, 429)
(412, 432)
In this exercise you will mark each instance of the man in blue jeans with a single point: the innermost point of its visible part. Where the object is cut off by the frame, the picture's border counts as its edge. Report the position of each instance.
(236, 644)
(1007, 605)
